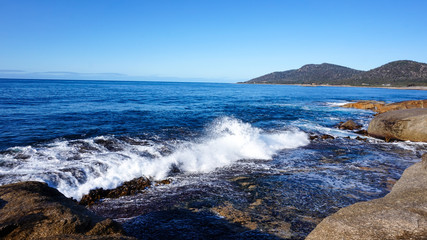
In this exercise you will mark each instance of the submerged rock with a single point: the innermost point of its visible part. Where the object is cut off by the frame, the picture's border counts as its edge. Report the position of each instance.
(184, 224)
(403, 125)
(33, 210)
(401, 214)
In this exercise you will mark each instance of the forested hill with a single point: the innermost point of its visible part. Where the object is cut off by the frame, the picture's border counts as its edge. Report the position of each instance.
(398, 73)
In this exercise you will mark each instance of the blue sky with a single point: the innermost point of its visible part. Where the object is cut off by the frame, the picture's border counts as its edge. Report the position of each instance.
(203, 40)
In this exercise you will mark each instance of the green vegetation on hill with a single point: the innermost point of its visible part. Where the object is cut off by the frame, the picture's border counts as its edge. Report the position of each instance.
(398, 73)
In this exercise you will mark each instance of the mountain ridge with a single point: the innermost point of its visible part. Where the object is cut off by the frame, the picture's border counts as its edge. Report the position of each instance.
(397, 73)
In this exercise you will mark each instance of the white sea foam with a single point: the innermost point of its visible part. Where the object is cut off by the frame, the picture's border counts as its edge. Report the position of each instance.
(337, 104)
(311, 126)
(76, 167)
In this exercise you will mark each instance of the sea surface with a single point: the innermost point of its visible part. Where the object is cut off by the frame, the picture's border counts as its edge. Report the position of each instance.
(239, 157)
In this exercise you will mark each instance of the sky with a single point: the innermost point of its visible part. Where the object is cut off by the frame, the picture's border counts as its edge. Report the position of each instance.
(197, 40)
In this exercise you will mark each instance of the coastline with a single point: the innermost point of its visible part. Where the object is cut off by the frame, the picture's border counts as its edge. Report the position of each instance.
(330, 85)
(398, 215)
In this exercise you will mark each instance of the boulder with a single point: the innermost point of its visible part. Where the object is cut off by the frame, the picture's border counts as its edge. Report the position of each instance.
(410, 124)
(350, 125)
(33, 210)
(401, 214)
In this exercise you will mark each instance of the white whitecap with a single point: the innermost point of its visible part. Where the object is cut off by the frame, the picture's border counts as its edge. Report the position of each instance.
(226, 141)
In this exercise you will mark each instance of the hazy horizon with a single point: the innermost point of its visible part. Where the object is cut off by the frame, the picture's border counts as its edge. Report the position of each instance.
(221, 41)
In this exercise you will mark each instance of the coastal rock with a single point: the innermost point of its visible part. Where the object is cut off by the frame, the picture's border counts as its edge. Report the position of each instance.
(381, 107)
(365, 105)
(33, 210)
(131, 187)
(350, 125)
(362, 132)
(403, 105)
(327, 136)
(410, 124)
(401, 214)
(127, 188)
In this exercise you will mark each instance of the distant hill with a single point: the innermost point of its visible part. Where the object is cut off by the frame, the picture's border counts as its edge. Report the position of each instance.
(398, 73)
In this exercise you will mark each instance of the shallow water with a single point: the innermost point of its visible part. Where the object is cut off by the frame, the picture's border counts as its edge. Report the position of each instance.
(238, 155)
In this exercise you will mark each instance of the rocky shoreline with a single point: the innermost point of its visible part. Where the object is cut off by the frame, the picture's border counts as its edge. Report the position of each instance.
(32, 210)
(404, 121)
(401, 214)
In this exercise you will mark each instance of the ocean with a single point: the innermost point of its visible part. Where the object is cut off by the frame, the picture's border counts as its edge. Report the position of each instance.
(236, 148)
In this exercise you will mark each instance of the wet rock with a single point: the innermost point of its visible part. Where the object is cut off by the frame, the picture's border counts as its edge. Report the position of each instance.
(362, 132)
(127, 188)
(403, 125)
(327, 136)
(83, 147)
(350, 125)
(33, 210)
(361, 139)
(313, 137)
(401, 214)
(184, 224)
(110, 144)
(163, 182)
(322, 137)
(236, 216)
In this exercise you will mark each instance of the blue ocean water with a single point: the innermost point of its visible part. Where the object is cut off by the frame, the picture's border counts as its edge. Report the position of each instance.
(206, 137)
(36, 111)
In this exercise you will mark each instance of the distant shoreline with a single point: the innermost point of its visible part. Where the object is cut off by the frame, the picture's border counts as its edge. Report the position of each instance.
(330, 85)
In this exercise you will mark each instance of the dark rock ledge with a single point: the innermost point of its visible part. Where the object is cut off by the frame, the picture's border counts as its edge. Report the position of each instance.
(33, 210)
(131, 187)
(401, 214)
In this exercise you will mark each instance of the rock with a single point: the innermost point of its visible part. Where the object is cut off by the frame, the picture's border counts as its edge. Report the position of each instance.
(131, 187)
(327, 136)
(110, 144)
(361, 139)
(33, 210)
(362, 132)
(410, 124)
(364, 104)
(401, 214)
(350, 125)
(403, 105)
(236, 216)
(313, 137)
(184, 224)
(127, 188)
(381, 107)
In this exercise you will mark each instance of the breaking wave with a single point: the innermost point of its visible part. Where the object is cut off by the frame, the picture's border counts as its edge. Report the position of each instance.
(75, 167)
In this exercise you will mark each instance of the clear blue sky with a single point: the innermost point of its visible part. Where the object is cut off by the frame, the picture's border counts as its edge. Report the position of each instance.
(217, 40)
